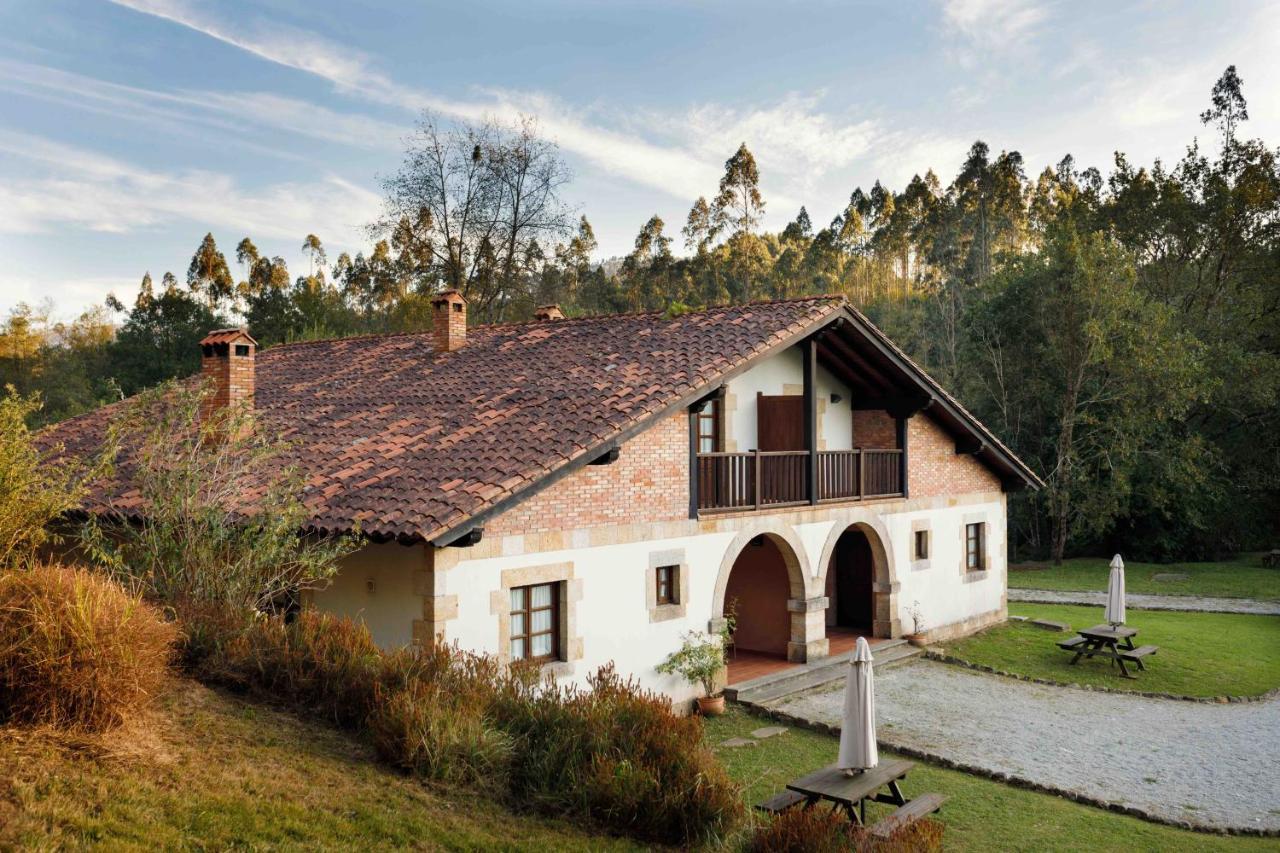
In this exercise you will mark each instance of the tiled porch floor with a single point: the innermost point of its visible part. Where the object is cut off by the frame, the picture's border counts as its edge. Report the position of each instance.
(745, 665)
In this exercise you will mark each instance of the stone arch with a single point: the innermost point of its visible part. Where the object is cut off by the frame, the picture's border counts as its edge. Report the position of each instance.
(885, 585)
(806, 638)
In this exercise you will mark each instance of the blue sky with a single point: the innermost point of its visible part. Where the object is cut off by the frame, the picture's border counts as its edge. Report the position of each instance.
(130, 128)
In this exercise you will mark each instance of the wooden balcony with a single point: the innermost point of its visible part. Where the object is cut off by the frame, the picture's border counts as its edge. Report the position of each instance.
(729, 482)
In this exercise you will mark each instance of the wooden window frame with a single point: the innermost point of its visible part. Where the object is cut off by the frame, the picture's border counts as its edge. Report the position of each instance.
(920, 545)
(672, 595)
(708, 424)
(975, 546)
(526, 639)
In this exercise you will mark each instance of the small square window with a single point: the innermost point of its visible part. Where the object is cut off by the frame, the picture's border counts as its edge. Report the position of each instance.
(242, 349)
(535, 622)
(668, 579)
(922, 545)
(975, 546)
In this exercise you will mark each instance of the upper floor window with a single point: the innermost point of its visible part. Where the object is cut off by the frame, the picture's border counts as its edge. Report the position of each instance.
(535, 622)
(709, 426)
(975, 536)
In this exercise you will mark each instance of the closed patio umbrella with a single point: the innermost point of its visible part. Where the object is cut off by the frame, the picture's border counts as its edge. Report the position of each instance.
(858, 727)
(1115, 592)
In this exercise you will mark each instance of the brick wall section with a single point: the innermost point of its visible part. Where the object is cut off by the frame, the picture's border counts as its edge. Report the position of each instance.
(874, 429)
(648, 482)
(231, 377)
(934, 467)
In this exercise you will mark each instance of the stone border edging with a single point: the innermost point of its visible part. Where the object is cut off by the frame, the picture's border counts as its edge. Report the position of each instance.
(1161, 607)
(1017, 781)
(930, 654)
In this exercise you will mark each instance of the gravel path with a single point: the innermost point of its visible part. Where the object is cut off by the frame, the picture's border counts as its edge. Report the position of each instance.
(1214, 765)
(1150, 602)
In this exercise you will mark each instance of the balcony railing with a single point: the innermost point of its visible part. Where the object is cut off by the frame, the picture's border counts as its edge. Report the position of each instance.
(767, 479)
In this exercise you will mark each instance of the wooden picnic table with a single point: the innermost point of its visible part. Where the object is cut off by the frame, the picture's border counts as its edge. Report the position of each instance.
(1109, 641)
(847, 792)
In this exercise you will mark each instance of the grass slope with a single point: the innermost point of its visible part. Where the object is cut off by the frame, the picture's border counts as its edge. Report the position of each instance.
(980, 814)
(1244, 577)
(1201, 654)
(207, 770)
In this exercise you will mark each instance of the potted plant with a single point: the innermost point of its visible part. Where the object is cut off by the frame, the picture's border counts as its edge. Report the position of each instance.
(699, 661)
(916, 637)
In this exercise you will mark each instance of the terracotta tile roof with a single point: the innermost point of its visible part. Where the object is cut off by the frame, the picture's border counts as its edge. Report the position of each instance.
(411, 443)
(224, 336)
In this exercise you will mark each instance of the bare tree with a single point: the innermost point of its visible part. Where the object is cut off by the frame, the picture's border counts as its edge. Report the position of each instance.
(479, 199)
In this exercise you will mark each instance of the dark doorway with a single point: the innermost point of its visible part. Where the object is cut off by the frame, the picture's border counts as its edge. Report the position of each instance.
(853, 570)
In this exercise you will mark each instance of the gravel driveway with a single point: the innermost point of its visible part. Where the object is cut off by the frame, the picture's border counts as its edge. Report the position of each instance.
(1215, 765)
(1142, 601)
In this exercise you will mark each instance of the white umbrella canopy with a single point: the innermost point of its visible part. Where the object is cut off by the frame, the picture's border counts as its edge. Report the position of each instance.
(858, 727)
(1115, 592)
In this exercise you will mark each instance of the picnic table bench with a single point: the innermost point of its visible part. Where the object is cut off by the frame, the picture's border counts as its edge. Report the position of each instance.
(1114, 642)
(851, 793)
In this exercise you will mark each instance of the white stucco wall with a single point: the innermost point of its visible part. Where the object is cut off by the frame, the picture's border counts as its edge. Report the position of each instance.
(390, 607)
(612, 619)
(783, 374)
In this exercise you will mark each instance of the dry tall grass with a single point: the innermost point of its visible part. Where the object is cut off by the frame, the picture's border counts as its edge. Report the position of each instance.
(821, 830)
(77, 650)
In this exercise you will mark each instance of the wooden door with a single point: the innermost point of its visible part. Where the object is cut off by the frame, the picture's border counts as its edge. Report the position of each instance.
(780, 422)
(855, 572)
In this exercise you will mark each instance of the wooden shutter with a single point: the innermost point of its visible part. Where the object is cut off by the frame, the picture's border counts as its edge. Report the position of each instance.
(780, 422)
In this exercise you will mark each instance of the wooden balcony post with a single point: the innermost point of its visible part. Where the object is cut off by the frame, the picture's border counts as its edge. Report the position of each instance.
(902, 457)
(862, 474)
(756, 487)
(811, 417)
(693, 462)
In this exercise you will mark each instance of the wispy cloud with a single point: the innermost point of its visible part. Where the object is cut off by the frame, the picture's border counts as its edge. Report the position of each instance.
(792, 139)
(237, 116)
(993, 23)
(85, 189)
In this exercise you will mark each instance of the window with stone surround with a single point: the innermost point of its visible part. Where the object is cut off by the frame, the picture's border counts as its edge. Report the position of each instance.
(975, 546)
(921, 548)
(535, 622)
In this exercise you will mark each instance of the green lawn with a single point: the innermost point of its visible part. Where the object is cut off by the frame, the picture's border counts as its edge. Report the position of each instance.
(1201, 654)
(1244, 577)
(980, 814)
(209, 771)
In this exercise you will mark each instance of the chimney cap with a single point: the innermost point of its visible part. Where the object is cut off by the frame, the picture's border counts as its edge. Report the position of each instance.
(548, 312)
(450, 295)
(226, 336)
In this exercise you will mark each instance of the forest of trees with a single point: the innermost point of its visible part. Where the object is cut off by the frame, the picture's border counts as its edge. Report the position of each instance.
(1119, 330)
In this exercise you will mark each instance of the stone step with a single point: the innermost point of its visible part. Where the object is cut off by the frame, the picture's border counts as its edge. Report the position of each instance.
(768, 688)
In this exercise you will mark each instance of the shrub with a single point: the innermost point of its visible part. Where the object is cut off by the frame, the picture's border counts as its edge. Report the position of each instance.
(323, 663)
(220, 512)
(613, 754)
(616, 754)
(35, 487)
(819, 830)
(77, 650)
(435, 722)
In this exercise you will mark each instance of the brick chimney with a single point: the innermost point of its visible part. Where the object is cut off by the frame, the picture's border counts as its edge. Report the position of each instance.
(450, 321)
(226, 364)
(547, 312)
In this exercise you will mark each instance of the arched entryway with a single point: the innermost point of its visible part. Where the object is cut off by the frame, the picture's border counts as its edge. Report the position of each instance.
(758, 591)
(851, 584)
(762, 579)
(859, 585)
